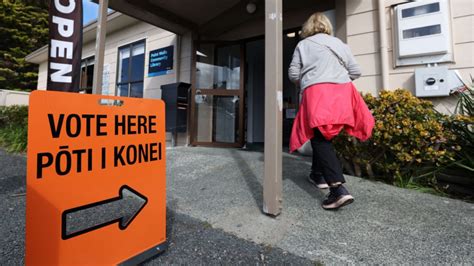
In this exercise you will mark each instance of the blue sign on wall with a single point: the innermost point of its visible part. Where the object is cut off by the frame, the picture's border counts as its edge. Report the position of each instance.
(161, 61)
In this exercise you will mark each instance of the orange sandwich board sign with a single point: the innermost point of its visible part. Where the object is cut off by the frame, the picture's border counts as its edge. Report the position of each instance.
(96, 179)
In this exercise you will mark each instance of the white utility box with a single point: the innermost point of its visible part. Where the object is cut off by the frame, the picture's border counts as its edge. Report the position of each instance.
(423, 32)
(432, 81)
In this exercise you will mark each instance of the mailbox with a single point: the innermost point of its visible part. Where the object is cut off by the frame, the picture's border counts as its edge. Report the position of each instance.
(175, 96)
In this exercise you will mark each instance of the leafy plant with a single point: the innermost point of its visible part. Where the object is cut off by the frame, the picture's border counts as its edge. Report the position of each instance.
(409, 141)
(14, 128)
(461, 123)
(14, 138)
(13, 115)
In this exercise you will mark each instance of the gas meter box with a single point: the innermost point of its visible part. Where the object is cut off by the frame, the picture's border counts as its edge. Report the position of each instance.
(423, 32)
(432, 82)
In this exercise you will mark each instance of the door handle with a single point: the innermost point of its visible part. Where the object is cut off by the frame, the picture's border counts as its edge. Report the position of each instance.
(199, 98)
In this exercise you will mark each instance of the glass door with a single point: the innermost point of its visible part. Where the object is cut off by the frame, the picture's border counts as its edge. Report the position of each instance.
(217, 95)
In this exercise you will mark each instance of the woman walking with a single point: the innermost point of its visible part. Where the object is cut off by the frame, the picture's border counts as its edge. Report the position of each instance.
(324, 67)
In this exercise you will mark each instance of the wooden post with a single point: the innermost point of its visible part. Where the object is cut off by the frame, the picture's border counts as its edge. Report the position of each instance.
(100, 47)
(272, 183)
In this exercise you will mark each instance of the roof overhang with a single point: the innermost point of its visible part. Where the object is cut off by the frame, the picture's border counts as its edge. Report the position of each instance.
(115, 21)
(210, 18)
(153, 14)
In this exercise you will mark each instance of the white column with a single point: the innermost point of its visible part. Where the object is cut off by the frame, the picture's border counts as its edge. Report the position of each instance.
(100, 47)
(383, 44)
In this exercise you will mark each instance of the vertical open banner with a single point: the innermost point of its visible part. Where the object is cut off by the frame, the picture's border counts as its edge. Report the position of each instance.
(65, 45)
(96, 179)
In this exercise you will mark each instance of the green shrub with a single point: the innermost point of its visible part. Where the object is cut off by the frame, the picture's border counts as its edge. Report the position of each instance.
(409, 140)
(14, 128)
(462, 124)
(13, 115)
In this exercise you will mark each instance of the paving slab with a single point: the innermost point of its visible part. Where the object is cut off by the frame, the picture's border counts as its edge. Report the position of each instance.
(384, 225)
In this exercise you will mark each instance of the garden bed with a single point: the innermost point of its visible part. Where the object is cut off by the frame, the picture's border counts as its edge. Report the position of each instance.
(414, 146)
(14, 128)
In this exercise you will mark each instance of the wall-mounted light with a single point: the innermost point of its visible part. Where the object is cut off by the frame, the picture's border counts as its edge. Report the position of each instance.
(291, 35)
(251, 7)
(200, 54)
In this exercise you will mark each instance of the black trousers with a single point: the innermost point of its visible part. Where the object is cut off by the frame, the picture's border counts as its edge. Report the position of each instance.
(325, 160)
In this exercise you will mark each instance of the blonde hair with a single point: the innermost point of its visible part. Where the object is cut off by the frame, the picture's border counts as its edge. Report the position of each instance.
(316, 23)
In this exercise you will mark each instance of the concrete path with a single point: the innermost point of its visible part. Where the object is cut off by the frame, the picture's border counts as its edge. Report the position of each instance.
(191, 241)
(385, 224)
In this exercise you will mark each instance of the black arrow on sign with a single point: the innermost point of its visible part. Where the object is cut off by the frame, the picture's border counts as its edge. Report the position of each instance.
(122, 209)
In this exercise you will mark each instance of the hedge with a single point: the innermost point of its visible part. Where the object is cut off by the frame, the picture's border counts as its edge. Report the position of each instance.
(411, 141)
(14, 128)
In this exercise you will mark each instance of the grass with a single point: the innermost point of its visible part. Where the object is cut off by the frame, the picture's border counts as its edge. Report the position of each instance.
(14, 138)
(14, 128)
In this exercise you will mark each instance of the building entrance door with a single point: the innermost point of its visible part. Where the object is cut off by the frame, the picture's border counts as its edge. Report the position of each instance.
(217, 107)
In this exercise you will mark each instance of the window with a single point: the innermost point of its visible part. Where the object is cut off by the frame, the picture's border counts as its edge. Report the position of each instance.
(131, 67)
(87, 73)
(423, 31)
(420, 10)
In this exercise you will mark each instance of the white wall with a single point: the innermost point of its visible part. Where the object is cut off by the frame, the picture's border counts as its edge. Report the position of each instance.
(42, 76)
(185, 58)
(8, 98)
(155, 38)
(363, 38)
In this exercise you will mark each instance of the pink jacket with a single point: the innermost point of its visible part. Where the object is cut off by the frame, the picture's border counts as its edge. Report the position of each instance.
(330, 107)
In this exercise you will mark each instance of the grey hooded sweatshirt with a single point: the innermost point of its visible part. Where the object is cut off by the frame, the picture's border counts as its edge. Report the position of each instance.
(313, 62)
